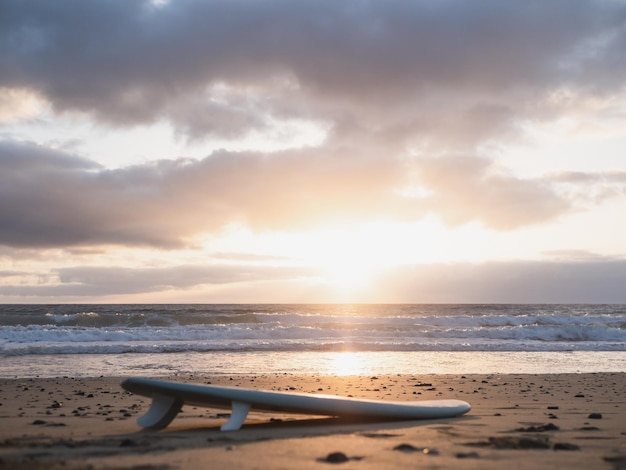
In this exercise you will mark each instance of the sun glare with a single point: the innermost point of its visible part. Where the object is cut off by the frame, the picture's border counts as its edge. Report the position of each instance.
(348, 276)
(347, 263)
(350, 259)
(346, 363)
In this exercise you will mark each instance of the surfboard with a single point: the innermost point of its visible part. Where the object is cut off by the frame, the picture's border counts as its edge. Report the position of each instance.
(169, 397)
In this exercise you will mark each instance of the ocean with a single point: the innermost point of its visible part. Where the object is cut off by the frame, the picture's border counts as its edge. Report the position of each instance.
(158, 340)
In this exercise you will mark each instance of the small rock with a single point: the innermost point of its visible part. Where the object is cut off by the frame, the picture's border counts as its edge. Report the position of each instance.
(128, 443)
(541, 428)
(579, 395)
(378, 435)
(518, 443)
(595, 416)
(407, 448)
(336, 457)
(467, 455)
(565, 446)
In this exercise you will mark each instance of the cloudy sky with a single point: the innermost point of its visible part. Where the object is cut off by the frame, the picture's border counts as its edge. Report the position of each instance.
(312, 151)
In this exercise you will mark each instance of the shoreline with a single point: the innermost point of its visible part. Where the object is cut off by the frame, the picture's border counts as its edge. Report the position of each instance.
(311, 362)
(525, 420)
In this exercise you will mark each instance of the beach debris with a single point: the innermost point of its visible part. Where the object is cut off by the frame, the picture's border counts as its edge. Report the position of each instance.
(540, 428)
(41, 422)
(519, 442)
(128, 443)
(338, 457)
(408, 448)
(595, 416)
(467, 455)
(565, 446)
(378, 435)
(618, 460)
(512, 442)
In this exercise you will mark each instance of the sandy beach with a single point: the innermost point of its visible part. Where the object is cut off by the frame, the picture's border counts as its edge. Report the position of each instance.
(516, 421)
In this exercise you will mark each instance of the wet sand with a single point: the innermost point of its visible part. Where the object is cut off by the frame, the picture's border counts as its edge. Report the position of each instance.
(517, 421)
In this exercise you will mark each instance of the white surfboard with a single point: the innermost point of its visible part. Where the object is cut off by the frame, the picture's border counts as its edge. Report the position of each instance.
(169, 397)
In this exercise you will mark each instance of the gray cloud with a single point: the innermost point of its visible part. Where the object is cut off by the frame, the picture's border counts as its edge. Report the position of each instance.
(389, 77)
(103, 281)
(586, 281)
(574, 281)
(130, 62)
(469, 188)
(589, 187)
(589, 177)
(53, 199)
(50, 198)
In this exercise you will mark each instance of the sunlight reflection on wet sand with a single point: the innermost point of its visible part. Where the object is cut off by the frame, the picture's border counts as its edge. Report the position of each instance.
(339, 363)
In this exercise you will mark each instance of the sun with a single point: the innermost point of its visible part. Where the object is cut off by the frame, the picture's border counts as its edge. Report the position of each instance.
(350, 262)
(343, 260)
(348, 276)
(347, 262)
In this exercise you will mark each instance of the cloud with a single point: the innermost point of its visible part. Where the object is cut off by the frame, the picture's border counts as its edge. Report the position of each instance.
(50, 198)
(390, 80)
(589, 187)
(383, 64)
(104, 281)
(583, 280)
(463, 189)
(249, 257)
(17, 104)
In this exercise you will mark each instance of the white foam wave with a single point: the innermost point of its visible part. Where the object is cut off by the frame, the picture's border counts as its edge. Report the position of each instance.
(70, 317)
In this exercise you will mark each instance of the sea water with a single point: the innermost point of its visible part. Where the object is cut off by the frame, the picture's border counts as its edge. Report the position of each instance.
(153, 340)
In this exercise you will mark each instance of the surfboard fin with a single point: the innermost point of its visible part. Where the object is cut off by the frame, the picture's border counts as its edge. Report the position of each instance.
(238, 413)
(161, 413)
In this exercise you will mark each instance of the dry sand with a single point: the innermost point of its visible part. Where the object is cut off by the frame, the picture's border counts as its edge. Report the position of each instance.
(517, 421)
